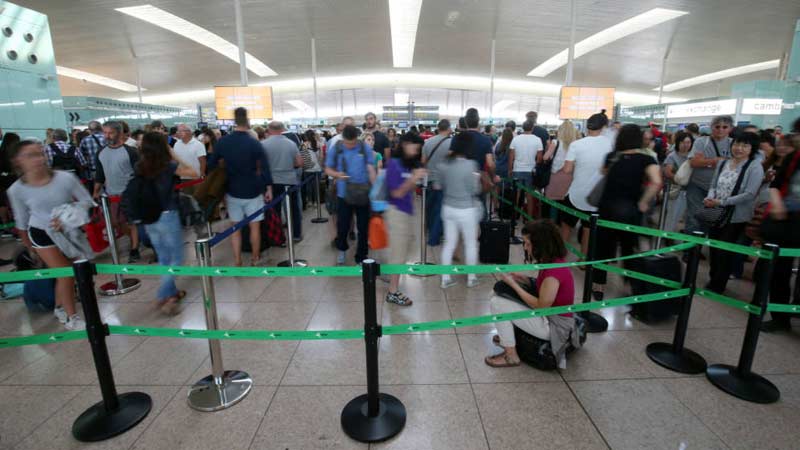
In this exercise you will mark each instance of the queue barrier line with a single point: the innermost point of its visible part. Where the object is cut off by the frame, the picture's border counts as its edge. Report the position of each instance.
(317, 335)
(780, 307)
(729, 301)
(8, 225)
(322, 271)
(727, 246)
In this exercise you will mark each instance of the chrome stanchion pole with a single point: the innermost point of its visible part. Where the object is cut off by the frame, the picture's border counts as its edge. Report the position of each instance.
(423, 239)
(120, 285)
(662, 215)
(223, 388)
(319, 218)
(291, 262)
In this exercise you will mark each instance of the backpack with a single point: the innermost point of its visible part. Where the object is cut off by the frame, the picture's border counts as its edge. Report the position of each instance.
(141, 200)
(65, 160)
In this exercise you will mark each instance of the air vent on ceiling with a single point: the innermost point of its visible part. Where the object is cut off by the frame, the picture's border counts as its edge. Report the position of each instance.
(12, 55)
(28, 37)
(7, 31)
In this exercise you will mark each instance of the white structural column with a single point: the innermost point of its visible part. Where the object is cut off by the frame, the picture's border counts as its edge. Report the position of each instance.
(571, 52)
(314, 78)
(491, 82)
(341, 103)
(664, 62)
(240, 42)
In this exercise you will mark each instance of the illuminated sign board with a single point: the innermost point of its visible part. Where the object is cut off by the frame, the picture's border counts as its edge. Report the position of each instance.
(762, 106)
(257, 100)
(582, 102)
(702, 109)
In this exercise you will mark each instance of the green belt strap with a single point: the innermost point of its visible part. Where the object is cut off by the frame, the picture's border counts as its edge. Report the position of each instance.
(780, 307)
(302, 335)
(732, 302)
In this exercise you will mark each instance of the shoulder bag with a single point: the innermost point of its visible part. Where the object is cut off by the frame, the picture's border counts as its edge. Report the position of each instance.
(596, 195)
(542, 171)
(719, 216)
(355, 194)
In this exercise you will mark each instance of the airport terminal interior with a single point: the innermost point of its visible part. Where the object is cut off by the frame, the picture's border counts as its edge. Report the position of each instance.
(399, 224)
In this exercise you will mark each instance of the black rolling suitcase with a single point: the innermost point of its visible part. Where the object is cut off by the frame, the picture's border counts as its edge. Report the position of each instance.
(667, 267)
(505, 210)
(494, 242)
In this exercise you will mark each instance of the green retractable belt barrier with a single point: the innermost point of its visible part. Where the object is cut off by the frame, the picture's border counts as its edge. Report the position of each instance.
(316, 335)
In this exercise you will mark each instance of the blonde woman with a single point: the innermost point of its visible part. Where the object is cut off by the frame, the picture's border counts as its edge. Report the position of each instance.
(560, 180)
(369, 138)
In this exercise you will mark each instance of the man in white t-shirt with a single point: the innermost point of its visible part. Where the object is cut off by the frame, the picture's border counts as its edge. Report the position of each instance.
(584, 161)
(522, 160)
(190, 150)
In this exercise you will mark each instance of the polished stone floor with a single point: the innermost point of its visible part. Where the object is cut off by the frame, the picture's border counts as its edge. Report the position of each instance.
(610, 396)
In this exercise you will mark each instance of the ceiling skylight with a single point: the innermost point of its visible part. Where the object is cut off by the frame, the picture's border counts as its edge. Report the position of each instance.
(403, 20)
(722, 74)
(175, 24)
(633, 25)
(96, 79)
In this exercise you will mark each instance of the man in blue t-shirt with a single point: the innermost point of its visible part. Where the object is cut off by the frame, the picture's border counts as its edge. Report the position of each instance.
(249, 183)
(351, 162)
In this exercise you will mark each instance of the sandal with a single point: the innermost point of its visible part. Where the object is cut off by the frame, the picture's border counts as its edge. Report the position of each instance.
(505, 361)
(496, 340)
(170, 306)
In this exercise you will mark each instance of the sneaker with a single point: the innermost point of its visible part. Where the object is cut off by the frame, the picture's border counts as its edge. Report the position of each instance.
(297, 239)
(341, 258)
(5, 234)
(134, 256)
(398, 299)
(448, 283)
(472, 282)
(60, 314)
(75, 323)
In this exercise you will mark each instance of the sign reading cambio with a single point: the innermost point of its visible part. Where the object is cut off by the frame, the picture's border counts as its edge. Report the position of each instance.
(582, 102)
(702, 109)
(257, 100)
(762, 106)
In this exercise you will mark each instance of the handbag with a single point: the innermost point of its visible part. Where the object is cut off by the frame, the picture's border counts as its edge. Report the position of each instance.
(543, 172)
(502, 289)
(377, 233)
(96, 231)
(719, 216)
(596, 195)
(684, 174)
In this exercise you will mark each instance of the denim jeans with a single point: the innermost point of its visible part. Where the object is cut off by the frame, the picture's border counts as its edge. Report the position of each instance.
(433, 215)
(167, 238)
(694, 202)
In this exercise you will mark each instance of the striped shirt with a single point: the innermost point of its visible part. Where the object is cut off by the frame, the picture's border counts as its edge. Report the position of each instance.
(90, 147)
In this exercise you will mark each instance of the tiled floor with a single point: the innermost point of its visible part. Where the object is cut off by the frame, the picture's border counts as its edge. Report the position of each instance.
(610, 396)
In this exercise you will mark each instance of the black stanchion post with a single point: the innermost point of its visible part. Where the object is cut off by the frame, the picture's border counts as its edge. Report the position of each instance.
(319, 218)
(740, 381)
(372, 417)
(674, 356)
(116, 414)
(595, 323)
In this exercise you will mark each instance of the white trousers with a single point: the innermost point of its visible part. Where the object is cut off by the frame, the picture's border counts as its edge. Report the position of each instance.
(535, 326)
(460, 222)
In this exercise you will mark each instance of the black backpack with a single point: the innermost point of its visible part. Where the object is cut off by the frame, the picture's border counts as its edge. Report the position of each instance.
(65, 160)
(141, 200)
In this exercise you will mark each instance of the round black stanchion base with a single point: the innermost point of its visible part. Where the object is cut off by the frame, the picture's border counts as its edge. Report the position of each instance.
(128, 284)
(751, 387)
(686, 361)
(97, 424)
(358, 425)
(297, 263)
(595, 323)
(319, 220)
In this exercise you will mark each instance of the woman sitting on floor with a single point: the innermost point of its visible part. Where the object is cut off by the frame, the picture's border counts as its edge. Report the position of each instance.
(552, 287)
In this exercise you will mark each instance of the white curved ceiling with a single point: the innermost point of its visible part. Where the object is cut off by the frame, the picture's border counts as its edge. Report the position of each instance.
(453, 38)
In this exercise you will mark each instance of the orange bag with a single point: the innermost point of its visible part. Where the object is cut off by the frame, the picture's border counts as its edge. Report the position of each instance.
(378, 236)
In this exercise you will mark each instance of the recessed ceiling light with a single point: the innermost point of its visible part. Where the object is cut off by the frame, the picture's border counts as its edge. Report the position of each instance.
(96, 79)
(625, 28)
(299, 104)
(403, 21)
(175, 24)
(727, 73)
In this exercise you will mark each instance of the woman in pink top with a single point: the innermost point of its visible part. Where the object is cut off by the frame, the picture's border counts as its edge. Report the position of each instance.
(552, 287)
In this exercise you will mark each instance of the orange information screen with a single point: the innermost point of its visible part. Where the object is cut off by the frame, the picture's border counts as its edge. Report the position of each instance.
(582, 102)
(257, 100)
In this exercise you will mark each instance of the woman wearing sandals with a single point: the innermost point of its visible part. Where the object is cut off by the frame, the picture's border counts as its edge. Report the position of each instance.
(552, 287)
(159, 163)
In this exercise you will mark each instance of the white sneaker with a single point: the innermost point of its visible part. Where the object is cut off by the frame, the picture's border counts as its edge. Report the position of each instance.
(472, 282)
(60, 314)
(448, 283)
(75, 323)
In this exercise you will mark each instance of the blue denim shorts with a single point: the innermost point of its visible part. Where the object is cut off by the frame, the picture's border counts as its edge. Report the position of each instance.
(525, 178)
(239, 208)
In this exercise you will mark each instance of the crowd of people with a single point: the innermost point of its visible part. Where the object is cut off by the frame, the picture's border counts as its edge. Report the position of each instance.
(734, 185)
